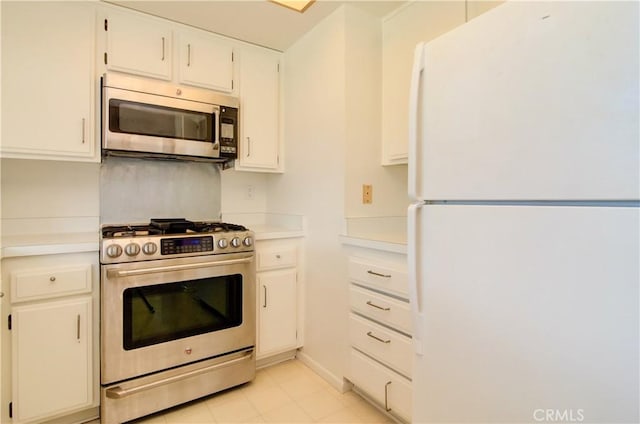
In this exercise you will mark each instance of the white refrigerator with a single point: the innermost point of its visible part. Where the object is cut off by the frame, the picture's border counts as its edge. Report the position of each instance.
(524, 234)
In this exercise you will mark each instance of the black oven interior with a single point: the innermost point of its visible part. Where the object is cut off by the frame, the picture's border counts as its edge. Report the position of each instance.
(164, 312)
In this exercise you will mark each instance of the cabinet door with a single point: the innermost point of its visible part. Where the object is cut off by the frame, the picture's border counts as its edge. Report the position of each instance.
(47, 85)
(419, 21)
(259, 110)
(205, 60)
(51, 350)
(138, 45)
(277, 311)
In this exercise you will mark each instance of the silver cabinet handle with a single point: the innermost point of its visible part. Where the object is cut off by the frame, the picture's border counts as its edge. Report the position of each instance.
(78, 328)
(248, 146)
(377, 274)
(373, 336)
(370, 303)
(163, 49)
(119, 393)
(386, 396)
(264, 304)
(83, 130)
(188, 54)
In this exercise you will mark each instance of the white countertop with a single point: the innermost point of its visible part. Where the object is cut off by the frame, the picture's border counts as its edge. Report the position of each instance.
(384, 245)
(48, 244)
(56, 243)
(269, 232)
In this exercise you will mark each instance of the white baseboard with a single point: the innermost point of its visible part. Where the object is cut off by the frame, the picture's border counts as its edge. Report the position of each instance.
(275, 359)
(338, 383)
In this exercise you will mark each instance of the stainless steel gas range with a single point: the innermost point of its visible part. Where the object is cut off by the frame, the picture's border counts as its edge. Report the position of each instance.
(177, 314)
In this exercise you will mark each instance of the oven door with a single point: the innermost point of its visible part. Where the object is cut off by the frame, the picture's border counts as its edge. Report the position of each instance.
(166, 313)
(149, 123)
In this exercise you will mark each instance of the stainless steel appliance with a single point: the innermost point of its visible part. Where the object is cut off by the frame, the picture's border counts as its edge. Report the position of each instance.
(177, 314)
(149, 118)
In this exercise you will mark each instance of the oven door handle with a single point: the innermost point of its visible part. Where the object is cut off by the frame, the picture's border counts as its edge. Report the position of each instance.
(119, 393)
(133, 272)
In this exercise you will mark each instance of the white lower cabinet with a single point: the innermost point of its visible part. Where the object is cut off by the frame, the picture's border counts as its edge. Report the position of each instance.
(277, 304)
(50, 363)
(381, 352)
(278, 297)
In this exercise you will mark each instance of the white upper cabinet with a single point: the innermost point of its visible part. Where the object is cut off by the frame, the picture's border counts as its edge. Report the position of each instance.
(259, 90)
(48, 52)
(144, 45)
(138, 44)
(205, 60)
(401, 32)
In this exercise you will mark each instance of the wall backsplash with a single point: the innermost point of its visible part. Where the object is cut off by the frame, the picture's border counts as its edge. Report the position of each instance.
(134, 190)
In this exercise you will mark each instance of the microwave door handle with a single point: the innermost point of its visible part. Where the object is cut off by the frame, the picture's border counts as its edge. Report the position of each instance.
(217, 124)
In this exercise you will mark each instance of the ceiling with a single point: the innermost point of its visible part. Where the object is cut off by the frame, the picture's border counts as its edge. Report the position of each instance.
(256, 21)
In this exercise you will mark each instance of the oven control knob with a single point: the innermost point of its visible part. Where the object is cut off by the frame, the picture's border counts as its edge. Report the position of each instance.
(132, 249)
(149, 248)
(114, 250)
(235, 242)
(248, 241)
(223, 243)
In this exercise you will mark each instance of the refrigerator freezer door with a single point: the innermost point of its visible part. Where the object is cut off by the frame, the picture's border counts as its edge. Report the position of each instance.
(528, 310)
(533, 101)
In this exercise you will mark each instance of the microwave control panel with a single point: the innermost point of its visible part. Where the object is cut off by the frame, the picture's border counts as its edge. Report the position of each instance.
(228, 132)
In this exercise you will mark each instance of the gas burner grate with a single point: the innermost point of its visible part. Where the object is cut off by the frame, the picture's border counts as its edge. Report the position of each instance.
(216, 227)
(114, 231)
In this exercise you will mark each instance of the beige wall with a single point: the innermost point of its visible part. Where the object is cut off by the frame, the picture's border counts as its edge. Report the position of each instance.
(49, 189)
(363, 74)
(313, 184)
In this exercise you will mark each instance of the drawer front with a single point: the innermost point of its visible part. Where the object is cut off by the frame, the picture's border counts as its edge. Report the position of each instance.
(276, 258)
(384, 309)
(50, 282)
(382, 277)
(392, 391)
(388, 346)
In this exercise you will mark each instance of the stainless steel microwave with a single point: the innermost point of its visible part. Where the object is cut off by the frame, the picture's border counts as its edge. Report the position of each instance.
(143, 117)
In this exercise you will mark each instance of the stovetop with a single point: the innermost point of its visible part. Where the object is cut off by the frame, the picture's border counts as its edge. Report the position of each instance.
(171, 238)
(168, 227)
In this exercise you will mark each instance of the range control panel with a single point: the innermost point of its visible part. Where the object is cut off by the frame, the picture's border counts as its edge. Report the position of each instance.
(145, 248)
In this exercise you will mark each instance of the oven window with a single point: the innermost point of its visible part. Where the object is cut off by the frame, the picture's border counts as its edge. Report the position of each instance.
(165, 312)
(160, 121)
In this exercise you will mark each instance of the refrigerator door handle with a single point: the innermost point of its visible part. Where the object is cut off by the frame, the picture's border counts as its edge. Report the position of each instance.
(414, 122)
(414, 265)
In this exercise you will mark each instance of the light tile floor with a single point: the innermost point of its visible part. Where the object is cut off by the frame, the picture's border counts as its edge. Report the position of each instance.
(288, 392)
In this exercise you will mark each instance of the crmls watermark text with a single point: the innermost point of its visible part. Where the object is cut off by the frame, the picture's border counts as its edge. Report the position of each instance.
(559, 415)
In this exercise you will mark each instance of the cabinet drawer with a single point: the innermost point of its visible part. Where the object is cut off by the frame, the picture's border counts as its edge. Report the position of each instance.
(386, 345)
(50, 282)
(391, 390)
(276, 258)
(377, 306)
(382, 277)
